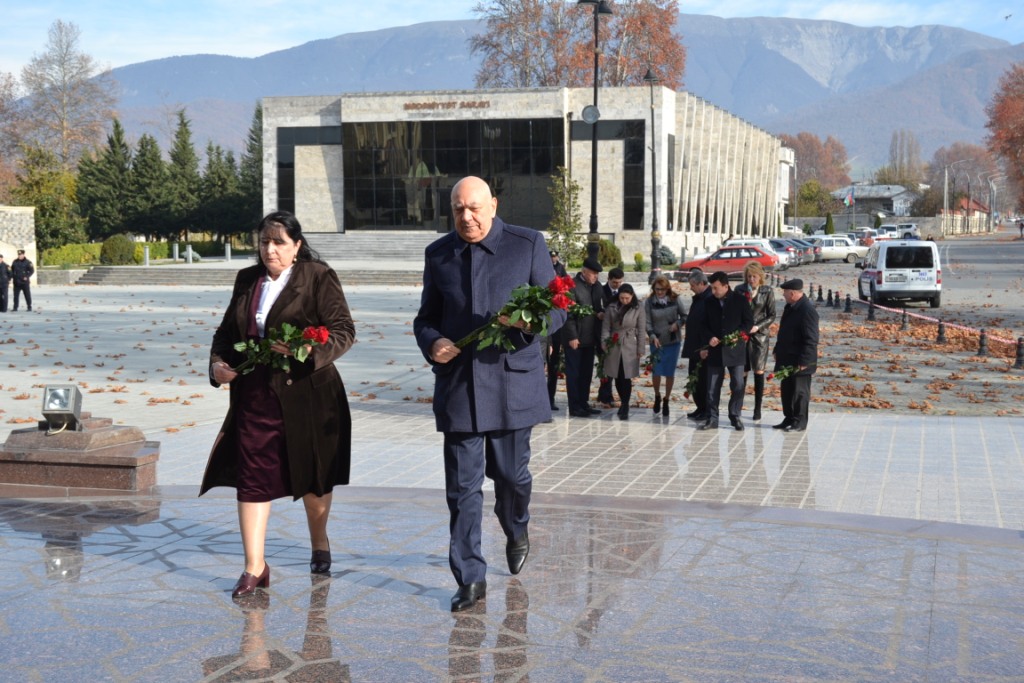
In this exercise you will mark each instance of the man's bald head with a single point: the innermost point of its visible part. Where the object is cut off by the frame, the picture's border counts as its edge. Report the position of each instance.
(474, 208)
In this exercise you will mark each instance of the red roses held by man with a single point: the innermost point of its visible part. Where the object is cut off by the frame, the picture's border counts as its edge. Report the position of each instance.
(783, 372)
(299, 342)
(527, 308)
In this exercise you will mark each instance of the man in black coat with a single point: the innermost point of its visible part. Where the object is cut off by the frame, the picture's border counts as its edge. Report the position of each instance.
(21, 272)
(726, 314)
(796, 346)
(698, 281)
(5, 281)
(581, 337)
(610, 293)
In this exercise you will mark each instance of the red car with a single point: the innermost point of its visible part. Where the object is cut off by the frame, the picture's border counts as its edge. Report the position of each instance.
(731, 260)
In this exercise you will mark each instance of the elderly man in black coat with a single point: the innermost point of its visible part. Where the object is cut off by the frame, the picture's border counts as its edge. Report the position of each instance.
(726, 314)
(796, 346)
(581, 337)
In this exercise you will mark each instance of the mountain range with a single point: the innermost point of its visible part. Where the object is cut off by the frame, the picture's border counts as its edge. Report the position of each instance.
(785, 75)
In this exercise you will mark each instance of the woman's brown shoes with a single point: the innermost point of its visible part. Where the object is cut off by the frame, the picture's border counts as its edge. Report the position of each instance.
(248, 583)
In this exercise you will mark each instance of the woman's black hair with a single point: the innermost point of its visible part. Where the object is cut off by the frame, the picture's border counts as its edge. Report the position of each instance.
(628, 289)
(287, 221)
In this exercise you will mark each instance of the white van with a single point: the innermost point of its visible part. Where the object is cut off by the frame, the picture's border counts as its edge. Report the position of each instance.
(901, 269)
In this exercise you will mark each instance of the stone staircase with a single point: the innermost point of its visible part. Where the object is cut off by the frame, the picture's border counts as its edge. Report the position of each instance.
(354, 255)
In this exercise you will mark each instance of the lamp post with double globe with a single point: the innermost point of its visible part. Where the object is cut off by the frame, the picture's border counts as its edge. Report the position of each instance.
(591, 115)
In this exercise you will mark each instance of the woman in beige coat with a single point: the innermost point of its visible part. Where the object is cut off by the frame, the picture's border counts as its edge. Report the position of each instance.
(623, 336)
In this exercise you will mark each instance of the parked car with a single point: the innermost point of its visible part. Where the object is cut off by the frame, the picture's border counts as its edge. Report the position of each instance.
(839, 247)
(805, 251)
(815, 251)
(789, 254)
(901, 269)
(731, 260)
(908, 231)
(762, 243)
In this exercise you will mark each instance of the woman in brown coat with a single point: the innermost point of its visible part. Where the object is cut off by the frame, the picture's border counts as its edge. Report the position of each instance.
(623, 332)
(286, 433)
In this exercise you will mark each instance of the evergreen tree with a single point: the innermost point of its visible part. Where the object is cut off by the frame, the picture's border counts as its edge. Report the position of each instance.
(183, 181)
(830, 226)
(149, 202)
(44, 183)
(104, 186)
(566, 224)
(219, 196)
(250, 174)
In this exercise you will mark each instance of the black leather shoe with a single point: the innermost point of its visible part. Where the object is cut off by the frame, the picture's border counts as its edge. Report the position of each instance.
(794, 428)
(697, 415)
(320, 562)
(468, 595)
(657, 404)
(782, 425)
(593, 411)
(580, 413)
(710, 424)
(516, 552)
(554, 407)
(735, 422)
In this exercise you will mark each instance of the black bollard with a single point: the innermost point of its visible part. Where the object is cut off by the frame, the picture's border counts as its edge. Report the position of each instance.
(1019, 363)
(941, 338)
(983, 344)
(849, 305)
(820, 297)
(904, 324)
(828, 301)
(836, 300)
(871, 310)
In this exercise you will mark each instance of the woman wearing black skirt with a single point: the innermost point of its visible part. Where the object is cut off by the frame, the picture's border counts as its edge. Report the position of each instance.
(286, 433)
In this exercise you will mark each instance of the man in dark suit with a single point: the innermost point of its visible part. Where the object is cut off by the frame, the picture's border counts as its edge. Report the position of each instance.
(698, 281)
(725, 314)
(485, 402)
(581, 337)
(796, 346)
(610, 293)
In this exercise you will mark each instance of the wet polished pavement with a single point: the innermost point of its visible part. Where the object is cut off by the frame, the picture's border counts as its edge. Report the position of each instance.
(869, 548)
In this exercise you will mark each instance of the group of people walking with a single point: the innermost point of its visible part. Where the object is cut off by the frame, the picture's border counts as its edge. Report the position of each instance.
(288, 429)
(726, 333)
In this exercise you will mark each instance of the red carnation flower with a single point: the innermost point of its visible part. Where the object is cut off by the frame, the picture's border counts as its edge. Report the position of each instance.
(560, 300)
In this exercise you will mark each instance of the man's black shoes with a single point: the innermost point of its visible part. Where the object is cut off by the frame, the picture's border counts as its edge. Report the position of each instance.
(794, 428)
(737, 425)
(516, 552)
(468, 595)
(783, 425)
(710, 424)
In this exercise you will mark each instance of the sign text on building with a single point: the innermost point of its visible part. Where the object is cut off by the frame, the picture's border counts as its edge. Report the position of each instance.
(432, 106)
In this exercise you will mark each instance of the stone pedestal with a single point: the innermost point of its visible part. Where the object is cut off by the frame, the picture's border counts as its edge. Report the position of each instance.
(100, 457)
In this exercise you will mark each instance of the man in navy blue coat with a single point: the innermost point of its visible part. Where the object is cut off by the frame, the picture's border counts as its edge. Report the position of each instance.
(485, 402)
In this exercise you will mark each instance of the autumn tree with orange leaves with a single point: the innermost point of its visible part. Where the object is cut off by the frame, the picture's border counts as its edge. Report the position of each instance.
(1006, 134)
(550, 43)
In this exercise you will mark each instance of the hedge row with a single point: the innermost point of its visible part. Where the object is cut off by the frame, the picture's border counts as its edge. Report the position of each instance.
(90, 254)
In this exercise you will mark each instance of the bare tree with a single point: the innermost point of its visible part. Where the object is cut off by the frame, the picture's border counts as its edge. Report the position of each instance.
(70, 99)
(549, 43)
(10, 136)
(905, 167)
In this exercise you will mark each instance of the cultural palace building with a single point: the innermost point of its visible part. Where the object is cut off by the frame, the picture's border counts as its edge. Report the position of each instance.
(386, 162)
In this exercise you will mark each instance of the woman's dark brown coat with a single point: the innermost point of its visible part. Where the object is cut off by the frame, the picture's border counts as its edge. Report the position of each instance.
(318, 425)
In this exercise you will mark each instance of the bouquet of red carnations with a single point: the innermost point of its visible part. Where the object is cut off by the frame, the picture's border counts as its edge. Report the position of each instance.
(300, 342)
(529, 304)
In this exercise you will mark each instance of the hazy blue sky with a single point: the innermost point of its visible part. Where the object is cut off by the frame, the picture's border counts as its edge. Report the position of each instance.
(118, 32)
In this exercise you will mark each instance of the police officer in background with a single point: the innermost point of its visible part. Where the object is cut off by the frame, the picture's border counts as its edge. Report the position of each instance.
(22, 271)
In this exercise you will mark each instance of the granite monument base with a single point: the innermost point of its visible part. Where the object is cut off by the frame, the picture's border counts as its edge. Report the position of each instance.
(99, 458)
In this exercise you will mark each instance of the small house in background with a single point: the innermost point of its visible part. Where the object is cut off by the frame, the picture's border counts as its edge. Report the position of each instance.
(891, 200)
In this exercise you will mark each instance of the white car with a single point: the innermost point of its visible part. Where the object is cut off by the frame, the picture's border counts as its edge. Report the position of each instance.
(839, 247)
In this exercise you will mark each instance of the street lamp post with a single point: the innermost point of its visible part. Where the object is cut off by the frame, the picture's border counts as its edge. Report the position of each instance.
(591, 115)
(651, 79)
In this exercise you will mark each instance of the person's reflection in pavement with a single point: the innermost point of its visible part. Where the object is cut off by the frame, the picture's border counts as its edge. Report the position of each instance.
(464, 642)
(255, 661)
(794, 488)
(510, 658)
